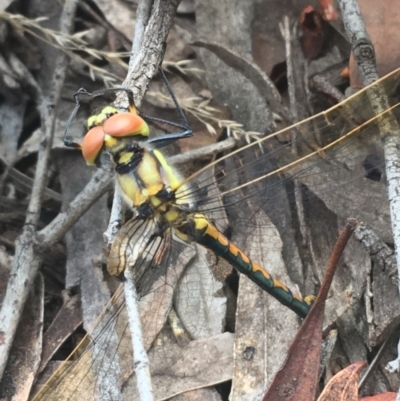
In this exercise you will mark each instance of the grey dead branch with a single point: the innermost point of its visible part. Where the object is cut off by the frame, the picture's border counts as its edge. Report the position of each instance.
(363, 309)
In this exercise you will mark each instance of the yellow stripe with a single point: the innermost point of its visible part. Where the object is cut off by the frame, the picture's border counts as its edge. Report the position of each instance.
(278, 284)
(172, 215)
(257, 268)
(125, 157)
(244, 257)
(170, 175)
(149, 174)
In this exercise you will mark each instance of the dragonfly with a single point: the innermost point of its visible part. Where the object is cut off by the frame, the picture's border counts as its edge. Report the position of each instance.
(325, 155)
(164, 205)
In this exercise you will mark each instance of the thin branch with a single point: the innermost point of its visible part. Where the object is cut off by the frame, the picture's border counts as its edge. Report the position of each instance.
(142, 19)
(388, 127)
(151, 50)
(204, 151)
(361, 44)
(373, 365)
(147, 51)
(140, 359)
(285, 32)
(116, 217)
(100, 183)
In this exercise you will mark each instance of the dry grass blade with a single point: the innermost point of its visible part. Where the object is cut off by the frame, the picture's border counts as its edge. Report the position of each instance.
(69, 44)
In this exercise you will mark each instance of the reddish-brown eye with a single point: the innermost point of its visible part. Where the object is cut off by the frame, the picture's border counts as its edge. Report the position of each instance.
(92, 144)
(125, 124)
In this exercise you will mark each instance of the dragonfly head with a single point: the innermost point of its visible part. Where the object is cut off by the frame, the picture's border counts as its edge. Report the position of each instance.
(111, 127)
(109, 130)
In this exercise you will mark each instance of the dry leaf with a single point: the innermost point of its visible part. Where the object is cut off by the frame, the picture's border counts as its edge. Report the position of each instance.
(388, 396)
(311, 23)
(344, 385)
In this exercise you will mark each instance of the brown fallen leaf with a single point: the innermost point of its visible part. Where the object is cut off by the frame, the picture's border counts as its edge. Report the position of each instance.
(388, 396)
(68, 318)
(311, 24)
(344, 385)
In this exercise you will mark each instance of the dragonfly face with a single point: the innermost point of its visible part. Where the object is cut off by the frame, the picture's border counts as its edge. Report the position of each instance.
(107, 128)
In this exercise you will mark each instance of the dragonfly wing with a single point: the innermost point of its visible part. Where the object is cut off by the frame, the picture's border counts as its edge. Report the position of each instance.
(200, 295)
(169, 274)
(104, 365)
(329, 154)
(92, 371)
(201, 308)
(262, 336)
(319, 171)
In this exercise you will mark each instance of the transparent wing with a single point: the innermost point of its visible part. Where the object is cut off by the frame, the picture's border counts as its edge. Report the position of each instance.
(335, 156)
(102, 366)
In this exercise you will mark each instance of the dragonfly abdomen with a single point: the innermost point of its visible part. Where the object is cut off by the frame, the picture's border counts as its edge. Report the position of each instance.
(207, 235)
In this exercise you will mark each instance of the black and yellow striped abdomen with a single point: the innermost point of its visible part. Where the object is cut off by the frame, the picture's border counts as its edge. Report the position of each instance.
(207, 235)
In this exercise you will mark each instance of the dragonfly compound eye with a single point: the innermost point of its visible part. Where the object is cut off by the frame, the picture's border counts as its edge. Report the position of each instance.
(125, 124)
(92, 144)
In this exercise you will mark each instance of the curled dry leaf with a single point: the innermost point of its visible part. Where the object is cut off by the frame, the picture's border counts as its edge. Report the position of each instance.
(311, 23)
(387, 396)
(344, 385)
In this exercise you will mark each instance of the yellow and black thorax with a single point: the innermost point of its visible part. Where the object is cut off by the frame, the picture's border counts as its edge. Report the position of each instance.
(148, 183)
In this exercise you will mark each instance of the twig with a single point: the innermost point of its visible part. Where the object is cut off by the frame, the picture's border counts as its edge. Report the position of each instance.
(140, 359)
(320, 84)
(151, 50)
(116, 217)
(147, 50)
(365, 56)
(361, 44)
(372, 366)
(99, 184)
(204, 151)
(285, 32)
(294, 97)
(142, 19)
(27, 261)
